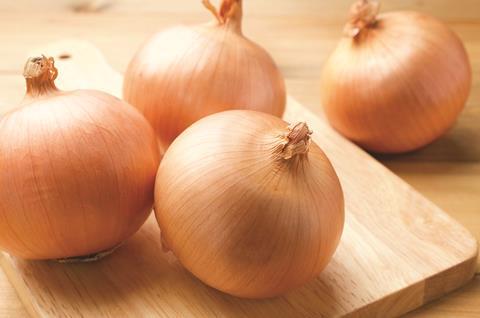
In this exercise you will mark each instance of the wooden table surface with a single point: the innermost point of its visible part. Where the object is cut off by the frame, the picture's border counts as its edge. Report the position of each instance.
(299, 34)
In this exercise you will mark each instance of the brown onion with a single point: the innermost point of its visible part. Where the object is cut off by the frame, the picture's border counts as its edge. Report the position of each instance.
(396, 81)
(249, 204)
(78, 170)
(187, 72)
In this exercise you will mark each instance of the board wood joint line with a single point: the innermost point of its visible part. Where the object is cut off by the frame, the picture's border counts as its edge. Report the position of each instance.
(398, 250)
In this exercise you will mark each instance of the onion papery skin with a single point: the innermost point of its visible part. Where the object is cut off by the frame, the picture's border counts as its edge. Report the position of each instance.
(187, 72)
(77, 177)
(238, 215)
(398, 85)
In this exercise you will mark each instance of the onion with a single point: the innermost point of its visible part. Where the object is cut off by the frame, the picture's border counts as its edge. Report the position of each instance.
(395, 82)
(249, 205)
(187, 72)
(78, 170)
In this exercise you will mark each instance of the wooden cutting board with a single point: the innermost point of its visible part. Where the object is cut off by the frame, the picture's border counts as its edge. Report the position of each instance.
(398, 251)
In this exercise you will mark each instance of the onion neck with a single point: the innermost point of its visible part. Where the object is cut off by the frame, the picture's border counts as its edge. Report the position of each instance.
(296, 141)
(363, 14)
(229, 15)
(40, 74)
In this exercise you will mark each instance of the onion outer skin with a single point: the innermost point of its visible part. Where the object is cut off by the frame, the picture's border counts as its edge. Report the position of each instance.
(187, 72)
(238, 215)
(397, 85)
(77, 175)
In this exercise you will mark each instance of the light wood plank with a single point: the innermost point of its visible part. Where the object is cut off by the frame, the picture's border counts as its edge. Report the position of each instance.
(462, 304)
(10, 305)
(464, 10)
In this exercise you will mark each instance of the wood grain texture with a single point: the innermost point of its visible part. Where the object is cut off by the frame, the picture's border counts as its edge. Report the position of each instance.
(390, 259)
(299, 34)
(462, 304)
(10, 304)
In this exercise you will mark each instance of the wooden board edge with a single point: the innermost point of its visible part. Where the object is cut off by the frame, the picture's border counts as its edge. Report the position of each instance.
(394, 304)
(452, 278)
(19, 284)
(423, 292)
